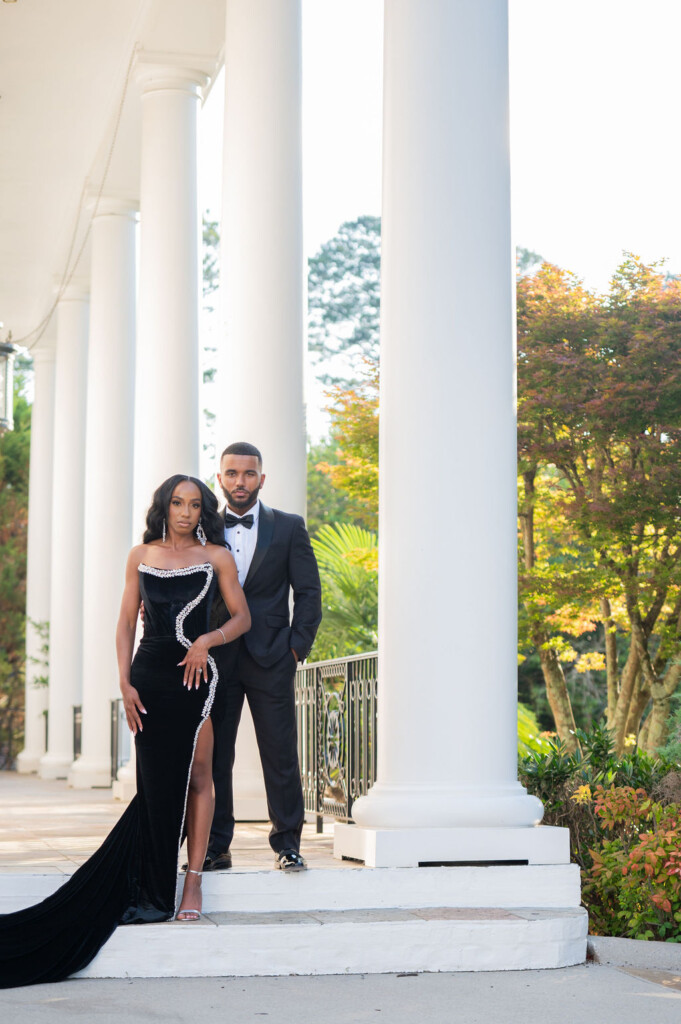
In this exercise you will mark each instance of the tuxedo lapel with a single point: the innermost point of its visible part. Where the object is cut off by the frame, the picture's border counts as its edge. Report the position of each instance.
(265, 533)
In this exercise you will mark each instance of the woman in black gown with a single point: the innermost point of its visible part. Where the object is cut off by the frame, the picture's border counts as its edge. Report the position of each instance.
(168, 691)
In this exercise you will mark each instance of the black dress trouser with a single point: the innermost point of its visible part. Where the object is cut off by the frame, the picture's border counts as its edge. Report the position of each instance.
(270, 695)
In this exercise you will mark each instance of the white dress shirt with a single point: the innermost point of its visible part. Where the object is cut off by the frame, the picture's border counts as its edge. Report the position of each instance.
(242, 541)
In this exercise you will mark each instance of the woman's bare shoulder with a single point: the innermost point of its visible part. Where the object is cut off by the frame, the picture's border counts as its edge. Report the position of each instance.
(219, 557)
(137, 554)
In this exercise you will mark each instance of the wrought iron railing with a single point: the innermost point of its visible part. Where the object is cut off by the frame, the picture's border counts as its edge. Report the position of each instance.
(336, 716)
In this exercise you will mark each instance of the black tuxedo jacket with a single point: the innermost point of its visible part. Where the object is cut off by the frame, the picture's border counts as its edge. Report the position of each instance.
(283, 560)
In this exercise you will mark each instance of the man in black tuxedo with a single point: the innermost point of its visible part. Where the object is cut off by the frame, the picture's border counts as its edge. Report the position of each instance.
(273, 556)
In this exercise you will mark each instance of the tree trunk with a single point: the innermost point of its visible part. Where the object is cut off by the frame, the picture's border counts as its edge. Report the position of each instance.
(662, 693)
(559, 698)
(639, 702)
(554, 678)
(658, 730)
(643, 734)
(610, 661)
(629, 675)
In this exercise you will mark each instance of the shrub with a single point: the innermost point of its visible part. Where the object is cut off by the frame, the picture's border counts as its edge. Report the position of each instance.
(633, 887)
(529, 733)
(348, 566)
(624, 817)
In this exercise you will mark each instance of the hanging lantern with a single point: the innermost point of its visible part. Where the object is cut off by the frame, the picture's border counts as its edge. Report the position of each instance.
(7, 351)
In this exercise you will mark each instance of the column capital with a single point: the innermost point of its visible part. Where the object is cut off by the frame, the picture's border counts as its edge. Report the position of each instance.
(112, 205)
(45, 351)
(189, 73)
(77, 290)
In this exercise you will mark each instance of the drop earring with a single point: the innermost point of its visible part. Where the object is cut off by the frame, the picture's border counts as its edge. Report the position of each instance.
(201, 534)
(164, 531)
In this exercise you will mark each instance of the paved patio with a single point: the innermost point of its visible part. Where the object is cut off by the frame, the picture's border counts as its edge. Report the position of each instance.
(46, 827)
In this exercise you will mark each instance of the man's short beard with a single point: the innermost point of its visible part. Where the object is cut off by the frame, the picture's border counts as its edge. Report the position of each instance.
(244, 503)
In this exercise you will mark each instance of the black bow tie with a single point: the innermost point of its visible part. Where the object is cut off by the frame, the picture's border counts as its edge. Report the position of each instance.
(231, 520)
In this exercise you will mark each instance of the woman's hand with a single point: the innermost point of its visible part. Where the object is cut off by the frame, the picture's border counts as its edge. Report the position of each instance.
(195, 662)
(133, 707)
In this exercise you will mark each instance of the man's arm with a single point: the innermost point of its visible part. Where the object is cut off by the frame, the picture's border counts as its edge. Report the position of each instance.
(307, 591)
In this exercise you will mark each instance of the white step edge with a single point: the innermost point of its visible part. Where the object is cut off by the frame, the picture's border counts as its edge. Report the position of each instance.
(348, 943)
(542, 886)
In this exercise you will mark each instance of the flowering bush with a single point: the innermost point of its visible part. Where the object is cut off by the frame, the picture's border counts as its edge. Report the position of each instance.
(624, 817)
(633, 887)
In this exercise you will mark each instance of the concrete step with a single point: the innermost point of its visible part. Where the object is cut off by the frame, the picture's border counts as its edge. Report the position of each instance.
(253, 890)
(346, 921)
(346, 942)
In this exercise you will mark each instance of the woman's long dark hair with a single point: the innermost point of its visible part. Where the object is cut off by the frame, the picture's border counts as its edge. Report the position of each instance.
(211, 520)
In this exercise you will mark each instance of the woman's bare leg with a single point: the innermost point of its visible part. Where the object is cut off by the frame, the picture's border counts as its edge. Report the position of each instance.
(200, 806)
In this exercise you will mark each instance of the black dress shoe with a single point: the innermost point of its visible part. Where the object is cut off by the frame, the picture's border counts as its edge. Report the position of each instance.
(218, 861)
(290, 860)
(215, 861)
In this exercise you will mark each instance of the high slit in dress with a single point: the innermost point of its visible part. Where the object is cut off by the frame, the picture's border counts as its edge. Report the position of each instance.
(132, 877)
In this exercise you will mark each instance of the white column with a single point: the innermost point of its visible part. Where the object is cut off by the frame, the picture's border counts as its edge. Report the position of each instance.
(167, 380)
(39, 556)
(261, 244)
(108, 476)
(68, 493)
(263, 277)
(447, 788)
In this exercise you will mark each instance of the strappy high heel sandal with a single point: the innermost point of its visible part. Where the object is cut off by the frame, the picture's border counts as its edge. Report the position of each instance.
(190, 914)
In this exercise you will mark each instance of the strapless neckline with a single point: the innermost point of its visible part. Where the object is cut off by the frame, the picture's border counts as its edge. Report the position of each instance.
(182, 571)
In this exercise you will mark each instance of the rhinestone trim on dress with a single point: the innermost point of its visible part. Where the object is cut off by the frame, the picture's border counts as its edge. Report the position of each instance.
(179, 633)
(182, 571)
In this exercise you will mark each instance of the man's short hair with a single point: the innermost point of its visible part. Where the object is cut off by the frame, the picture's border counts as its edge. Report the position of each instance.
(242, 448)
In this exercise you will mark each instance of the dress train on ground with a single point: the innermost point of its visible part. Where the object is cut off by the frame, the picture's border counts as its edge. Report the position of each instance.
(132, 877)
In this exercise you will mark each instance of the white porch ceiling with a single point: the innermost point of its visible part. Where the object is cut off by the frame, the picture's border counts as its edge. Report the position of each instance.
(63, 70)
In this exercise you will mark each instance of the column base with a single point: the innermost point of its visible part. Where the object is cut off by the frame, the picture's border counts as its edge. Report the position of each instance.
(250, 808)
(88, 773)
(417, 847)
(124, 787)
(28, 763)
(54, 766)
(124, 790)
(250, 801)
(506, 805)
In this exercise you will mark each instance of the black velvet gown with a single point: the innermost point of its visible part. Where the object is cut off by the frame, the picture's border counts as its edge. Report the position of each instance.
(132, 877)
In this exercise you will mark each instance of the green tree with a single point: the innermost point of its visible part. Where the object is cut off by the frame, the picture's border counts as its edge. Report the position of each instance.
(344, 301)
(325, 503)
(14, 459)
(526, 261)
(599, 404)
(354, 432)
(343, 337)
(210, 258)
(599, 383)
(210, 281)
(210, 266)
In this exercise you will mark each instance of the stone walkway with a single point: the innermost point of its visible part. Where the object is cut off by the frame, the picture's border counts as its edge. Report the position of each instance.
(594, 994)
(47, 827)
